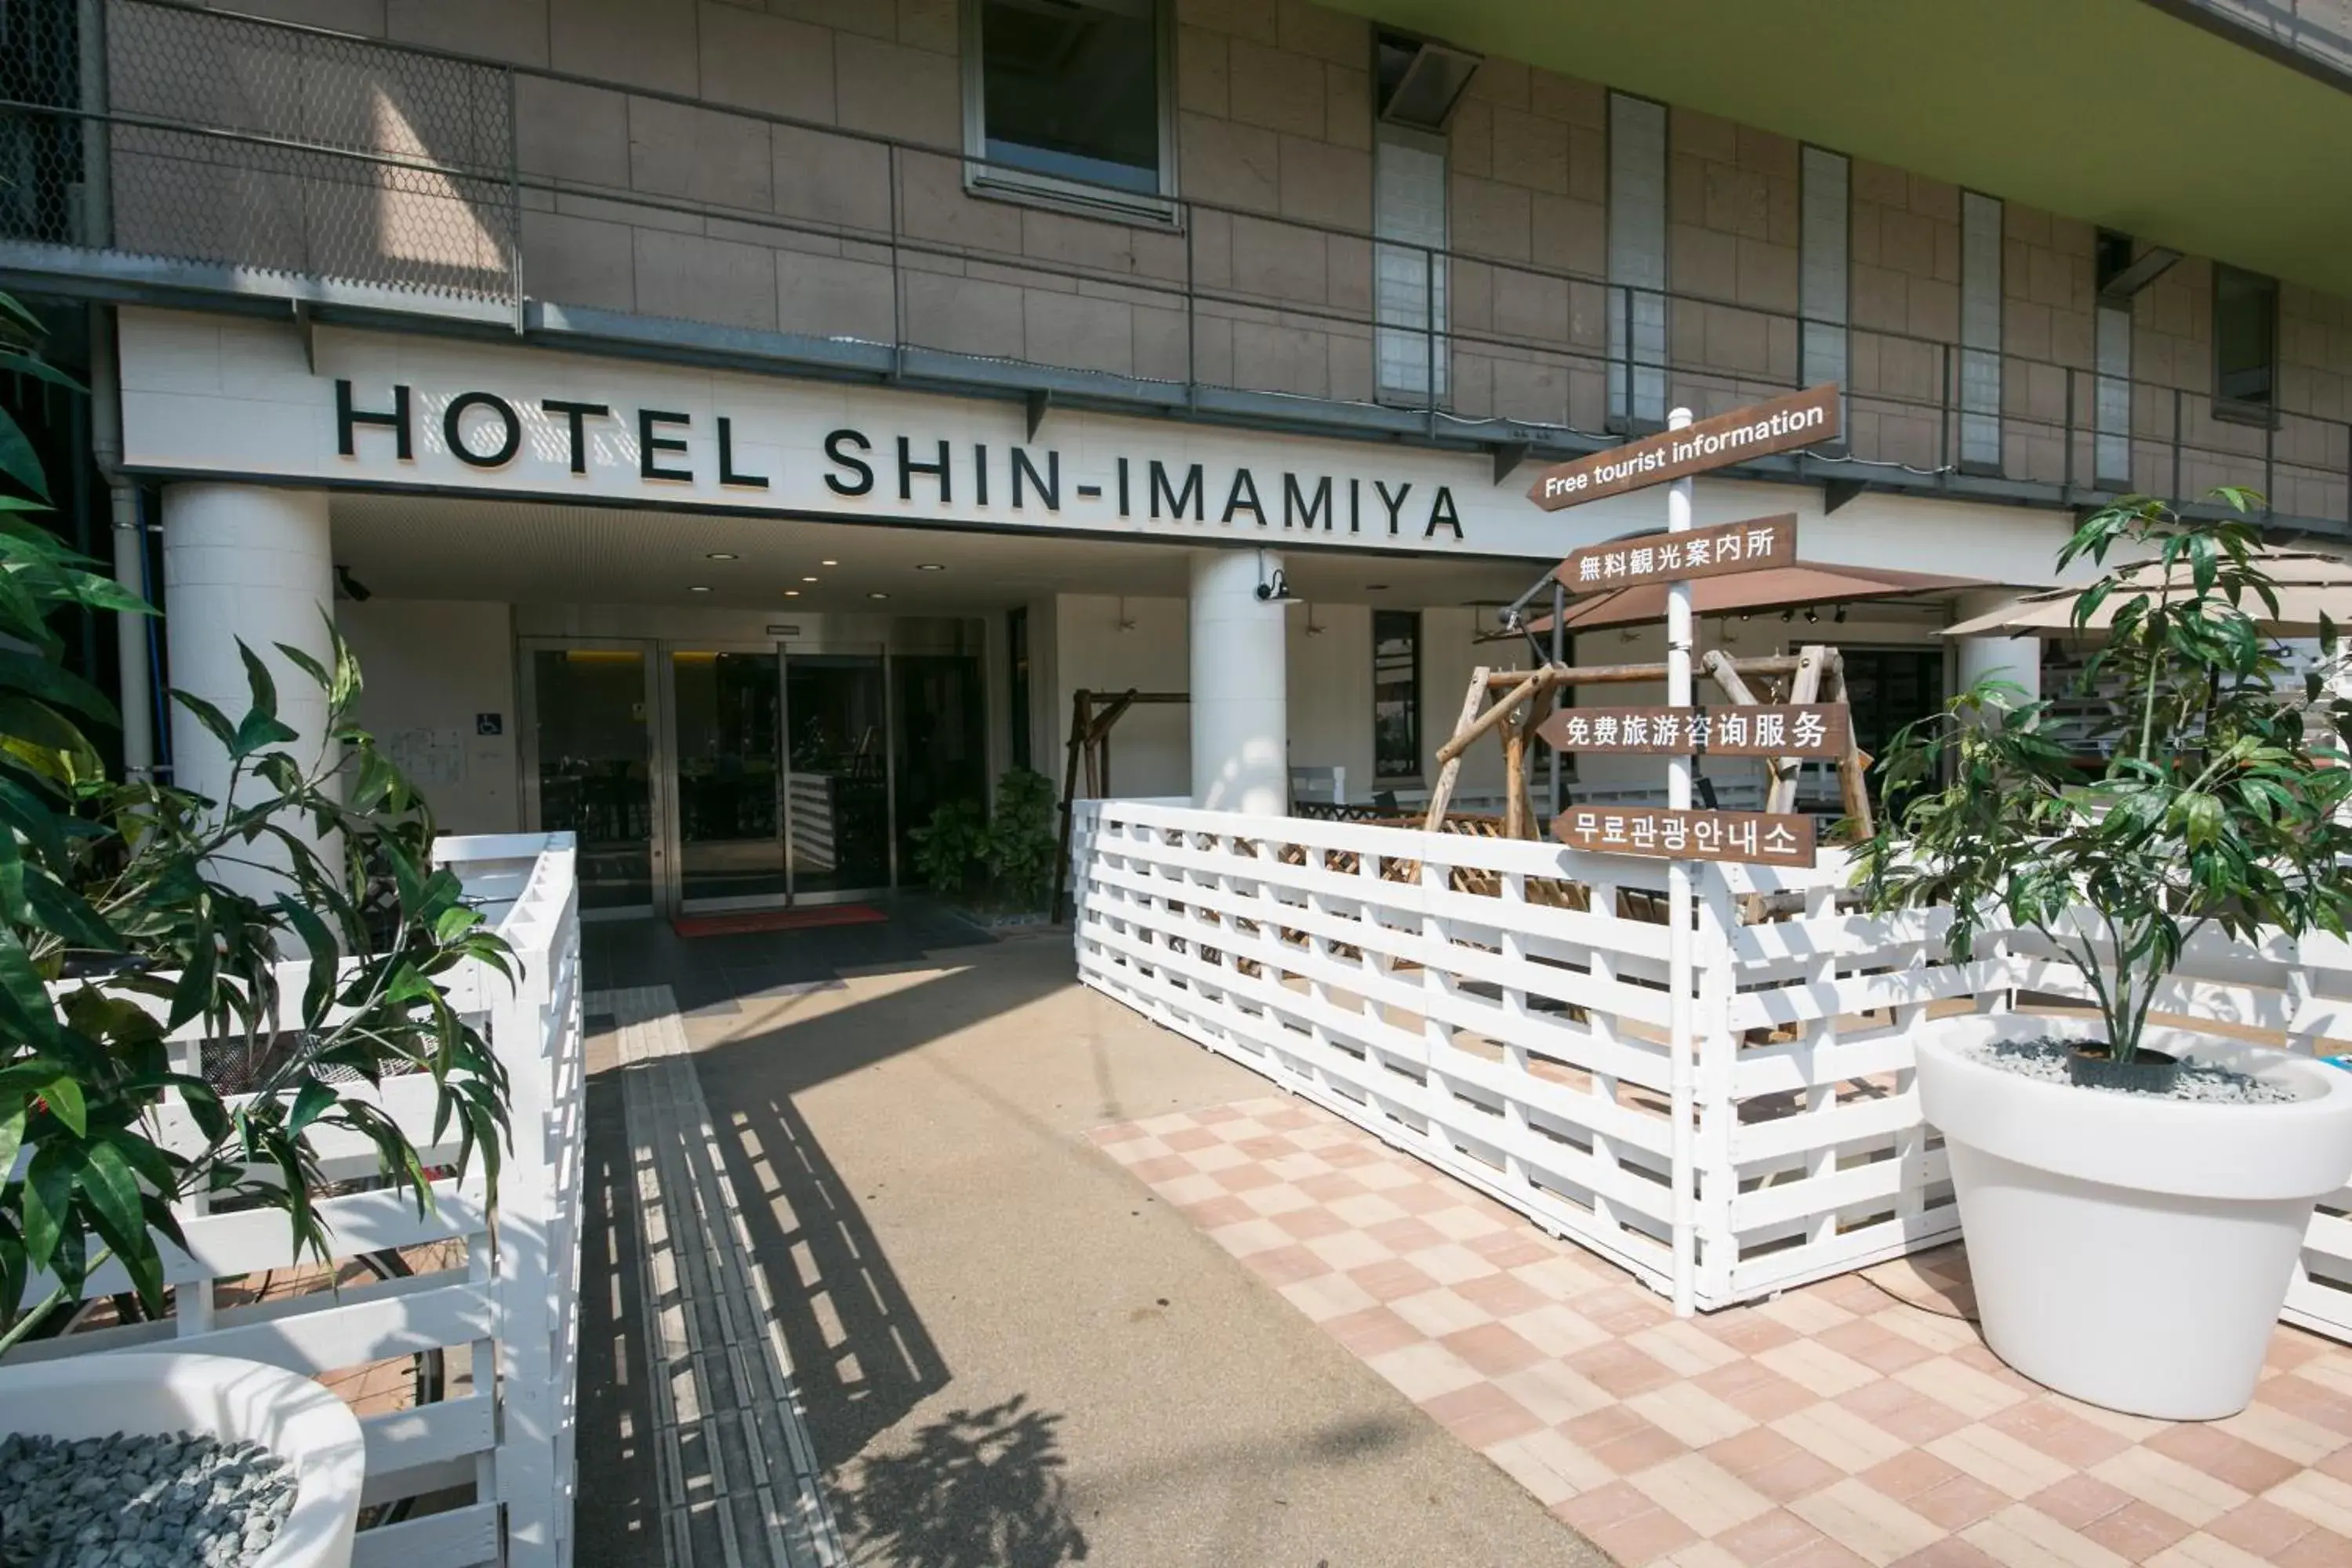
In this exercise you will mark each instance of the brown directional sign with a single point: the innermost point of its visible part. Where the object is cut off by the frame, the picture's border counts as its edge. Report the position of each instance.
(1798, 730)
(1755, 545)
(1800, 419)
(1757, 837)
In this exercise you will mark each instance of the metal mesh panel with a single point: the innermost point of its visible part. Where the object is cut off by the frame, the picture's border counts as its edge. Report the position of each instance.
(258, 145)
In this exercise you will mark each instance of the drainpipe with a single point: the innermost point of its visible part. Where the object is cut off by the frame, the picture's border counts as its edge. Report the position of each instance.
(131, 632)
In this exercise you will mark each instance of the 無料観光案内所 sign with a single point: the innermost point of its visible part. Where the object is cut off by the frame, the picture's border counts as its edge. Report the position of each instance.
(1755, 545)
(1758, 838)
(1794, 730)
(1782, 425)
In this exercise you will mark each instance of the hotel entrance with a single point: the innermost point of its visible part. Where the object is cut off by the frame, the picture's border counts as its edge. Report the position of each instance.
(712, 775)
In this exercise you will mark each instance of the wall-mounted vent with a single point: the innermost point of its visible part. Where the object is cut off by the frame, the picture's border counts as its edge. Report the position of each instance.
(1422, 82)
(2123, 274)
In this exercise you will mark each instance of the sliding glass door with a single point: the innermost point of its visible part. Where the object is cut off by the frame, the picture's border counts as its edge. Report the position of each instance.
(712, 777)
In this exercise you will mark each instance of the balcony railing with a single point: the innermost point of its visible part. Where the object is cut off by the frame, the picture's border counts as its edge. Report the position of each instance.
(236, 155)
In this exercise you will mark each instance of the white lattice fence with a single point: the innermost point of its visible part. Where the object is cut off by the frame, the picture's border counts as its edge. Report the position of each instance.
(1501, 1009)
(499, 1300)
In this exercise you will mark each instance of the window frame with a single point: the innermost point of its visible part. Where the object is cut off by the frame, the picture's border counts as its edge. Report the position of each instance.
(1003, 182)
(2237, 410)
(1419, 677)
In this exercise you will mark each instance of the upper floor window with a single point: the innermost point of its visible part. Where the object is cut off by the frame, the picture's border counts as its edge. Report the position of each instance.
(1068, 99)
(2245, 344)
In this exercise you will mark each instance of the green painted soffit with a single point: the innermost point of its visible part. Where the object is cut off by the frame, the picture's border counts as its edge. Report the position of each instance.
(2110, 110)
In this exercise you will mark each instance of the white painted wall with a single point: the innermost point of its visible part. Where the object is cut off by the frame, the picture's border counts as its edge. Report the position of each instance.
(1330, 691)
(1152, 749)
(1448, 655)
(431, 667)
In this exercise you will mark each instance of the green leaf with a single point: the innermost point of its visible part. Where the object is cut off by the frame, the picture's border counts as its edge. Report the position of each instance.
(47, 1196)
(24, 1004)
(114, 1192)
(18, 460)
(214, 722)
(65, 1103)
(40, 370)
(12, 1138)
(313, 1100)
(258, 685)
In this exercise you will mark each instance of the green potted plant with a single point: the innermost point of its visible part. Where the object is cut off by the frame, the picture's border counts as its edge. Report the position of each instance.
(2132, 1191)
(999, 866)
(117, 930)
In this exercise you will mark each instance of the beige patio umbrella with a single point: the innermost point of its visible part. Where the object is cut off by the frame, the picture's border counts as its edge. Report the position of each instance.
(2306, 584)
(1779, 588)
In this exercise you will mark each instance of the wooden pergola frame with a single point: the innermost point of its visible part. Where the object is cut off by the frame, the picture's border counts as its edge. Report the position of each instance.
(1089, 750)
(1815, 673)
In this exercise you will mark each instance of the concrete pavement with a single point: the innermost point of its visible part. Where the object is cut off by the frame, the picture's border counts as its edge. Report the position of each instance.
(1009, 1352)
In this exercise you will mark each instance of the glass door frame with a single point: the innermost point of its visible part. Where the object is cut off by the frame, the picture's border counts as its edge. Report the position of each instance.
(672, 817)
(657, 759)
(879, 650)
(662, 761)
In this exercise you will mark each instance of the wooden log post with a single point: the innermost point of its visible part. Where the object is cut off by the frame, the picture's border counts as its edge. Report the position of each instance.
(1081, 712)
(1853, 768)
(1805, 688)
(1450, 768)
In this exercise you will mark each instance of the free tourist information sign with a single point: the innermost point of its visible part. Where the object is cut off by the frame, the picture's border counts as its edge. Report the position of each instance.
(1806, 730)
(1757, 837)
(1800, 419)
(1752, 546)
(1797, 730)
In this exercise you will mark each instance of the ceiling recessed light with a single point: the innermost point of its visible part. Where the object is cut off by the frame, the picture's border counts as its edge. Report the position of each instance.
(808, 579)
(722, 555)
(929, 567)
(792, 593)
(1376, 588)
(877, 595)
(828, 562)
(698, 588)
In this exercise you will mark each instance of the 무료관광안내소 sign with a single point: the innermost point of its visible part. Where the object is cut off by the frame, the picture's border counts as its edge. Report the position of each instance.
(1755, 545)
(1757, 837)
(1803, 418)
(1789, 730)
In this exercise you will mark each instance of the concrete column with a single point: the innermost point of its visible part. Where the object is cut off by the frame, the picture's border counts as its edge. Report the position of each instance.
(1240, 707)
(251, 563)
(2017, 660)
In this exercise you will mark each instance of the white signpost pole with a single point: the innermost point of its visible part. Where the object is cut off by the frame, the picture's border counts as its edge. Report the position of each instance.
(1682, 1069)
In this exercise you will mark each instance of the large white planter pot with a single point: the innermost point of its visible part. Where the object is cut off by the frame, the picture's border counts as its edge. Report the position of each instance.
(2128, 1250)
(235, 1401)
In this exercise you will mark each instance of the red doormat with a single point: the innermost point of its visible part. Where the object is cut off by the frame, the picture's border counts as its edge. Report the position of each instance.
(778, 919)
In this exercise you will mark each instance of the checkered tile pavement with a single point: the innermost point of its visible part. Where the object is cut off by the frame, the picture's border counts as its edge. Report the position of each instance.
(1846, 1422)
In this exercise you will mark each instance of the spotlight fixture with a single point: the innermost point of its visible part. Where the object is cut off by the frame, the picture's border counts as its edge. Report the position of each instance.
(352, 588)
(1840, 616)
(1813, 615)
(929, 566)
(1788, 614)
(1743, 615)
(722, 555)
(1272, 588)
(1124, 623)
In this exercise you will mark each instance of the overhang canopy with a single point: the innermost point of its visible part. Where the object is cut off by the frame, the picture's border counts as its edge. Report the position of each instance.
(2115, 112)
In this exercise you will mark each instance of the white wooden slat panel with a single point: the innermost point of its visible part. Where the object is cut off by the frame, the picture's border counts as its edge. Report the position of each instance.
(1402, 1036)
(459, 1538)
(401, 1441)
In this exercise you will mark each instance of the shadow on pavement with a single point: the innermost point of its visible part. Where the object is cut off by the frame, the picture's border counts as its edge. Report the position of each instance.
(861, 1357)
(977, 1488)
